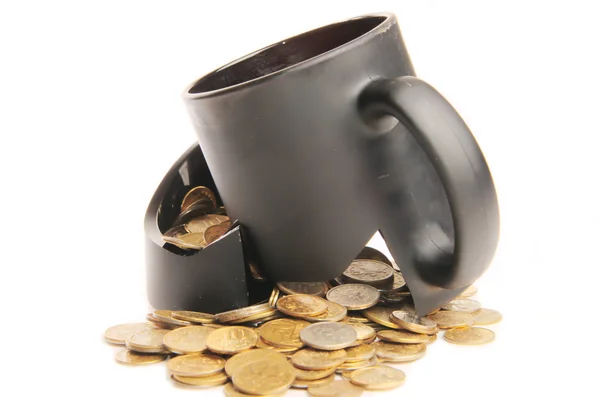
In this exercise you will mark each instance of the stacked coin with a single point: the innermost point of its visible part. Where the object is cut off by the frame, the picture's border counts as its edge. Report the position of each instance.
(200, 222)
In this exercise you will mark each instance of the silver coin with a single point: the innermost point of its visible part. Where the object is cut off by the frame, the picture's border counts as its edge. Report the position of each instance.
(328, 336)
(370, 272)
(354, 296)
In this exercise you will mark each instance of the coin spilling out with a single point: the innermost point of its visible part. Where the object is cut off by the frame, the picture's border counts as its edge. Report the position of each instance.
(370, 272)
(469, 336)
(381, 315)
(291, 288)
(411, 322)
(451, 319)
(196, 194)
(462, 305)
(354, 296)
(379, 377)
(120, 333)
(301, 305)
(487, 317)
(402, 336)
(165, 317)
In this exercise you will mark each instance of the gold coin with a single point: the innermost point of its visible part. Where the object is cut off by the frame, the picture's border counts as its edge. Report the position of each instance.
(202, 223)
(469, 336)
(487, 317)
(363, 331)
(412, 322)
(120, 333)
(242, 313)
(305, 288)
(174, 234)
(337, 388)
(239, 360)
(469, 292)
(215, 232)
(328, 336)
(264, 377)
(381, 315)
(159, 324)
(284, 332)
(345, 374)
(255, 317)
(204, 381)
(318, 359)
(313, 374)
(432, 338)
(354, 365)
(274, 297)
(130, 357)
(333, 313)
(304, 384)
(360, 353)
(451, 319)
(370, 272)
(402, 336)
(231, 340)
(214, 325)
(166, 316)
(195, 194)
(261, 344)
(230, 391)
(379, 377)
(147, 341)
(187, 340)
(462, 305)
(193, 317)
(399, 353)
(354, 296)
(301, 305)
(196, 365)
(356, 318)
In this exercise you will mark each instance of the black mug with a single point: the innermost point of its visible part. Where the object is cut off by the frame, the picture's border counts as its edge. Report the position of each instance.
(320, 140)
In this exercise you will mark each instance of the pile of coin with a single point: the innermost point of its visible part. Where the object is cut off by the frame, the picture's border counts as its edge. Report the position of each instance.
(303, 337)
(200, 222)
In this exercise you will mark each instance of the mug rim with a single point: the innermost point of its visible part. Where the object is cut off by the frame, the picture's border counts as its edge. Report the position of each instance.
(387, 22)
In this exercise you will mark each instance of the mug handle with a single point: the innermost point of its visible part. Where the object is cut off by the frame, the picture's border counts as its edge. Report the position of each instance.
(462, 169)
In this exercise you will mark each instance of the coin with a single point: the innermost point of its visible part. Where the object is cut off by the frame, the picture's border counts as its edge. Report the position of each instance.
(381, 314)
(370, 272)
(372, 253)
(356, 318)
(308, 374)
(274, 297)
(130, 357)
(451, 319)
(166, 316)
(303, 384)
(258, 316)
(394, 296)
(360, 353)
(301, 305)
(354, 365)
(312, 359)
(398, 353)
(379, 377)
(120, 333)
(159, 324)
(412, 322)
(402, 336)
(261, 344)
(230, 391)
(198, 193)
(469, 336)
(284, 332)
(399, 281)
(318, 288)
(239, 360)
(354, 296)
(193, 317)
(147, 341)
(432, 338)
(334, 312)
(337, 388)
(202, 223)
(462, 305)
(363, 331)
(196, 210)
(196, 365)
(215, 232)
(242, 313)
(204, 381)
(487, 317)
(469, 292)
(264, 377)
(328, 336)
(187, 340)
(231, 340)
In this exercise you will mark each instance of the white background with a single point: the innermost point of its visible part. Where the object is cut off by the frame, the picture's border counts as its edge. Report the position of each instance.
(91, 118)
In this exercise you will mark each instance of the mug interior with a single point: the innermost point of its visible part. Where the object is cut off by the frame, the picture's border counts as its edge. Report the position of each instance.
(286, 53)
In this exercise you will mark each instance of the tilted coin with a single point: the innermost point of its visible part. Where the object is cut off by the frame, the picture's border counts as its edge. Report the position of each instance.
(355, 317)
(399, 281)
(462, 305)
(264, 377)
(363, 331)
(412, 322)
(469, 292)
(198, 193)
(147, 341)
(374, 254)
(308, 374)
(402, 336)
(193, 317)
(301, 305)
(432, 338)
(394, 296)
(244, 312)
(379, 377)
(469, 336)
(370, 272)
(328, 336)
(158, 323)
(360, 353)
(230, 391)
(261, 344)
(120, 333)
(333, 313)
(318, 288)
(198, 209)
(186, 340)
(312, 359)
(451, 319)
(254, 317)
(239, 360)
(215, 232)
(284, 332)
(487, 317)
(260, 321)
(166, 316)
(337, 388)
(354, 365)
(274, 297)
(398, 353)
(231, 340)
(202, 223)
(196, 365)
(354, 296)
(204, 381)
(130, 357)
(381, 315)
(175, 233)
(304, 384)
